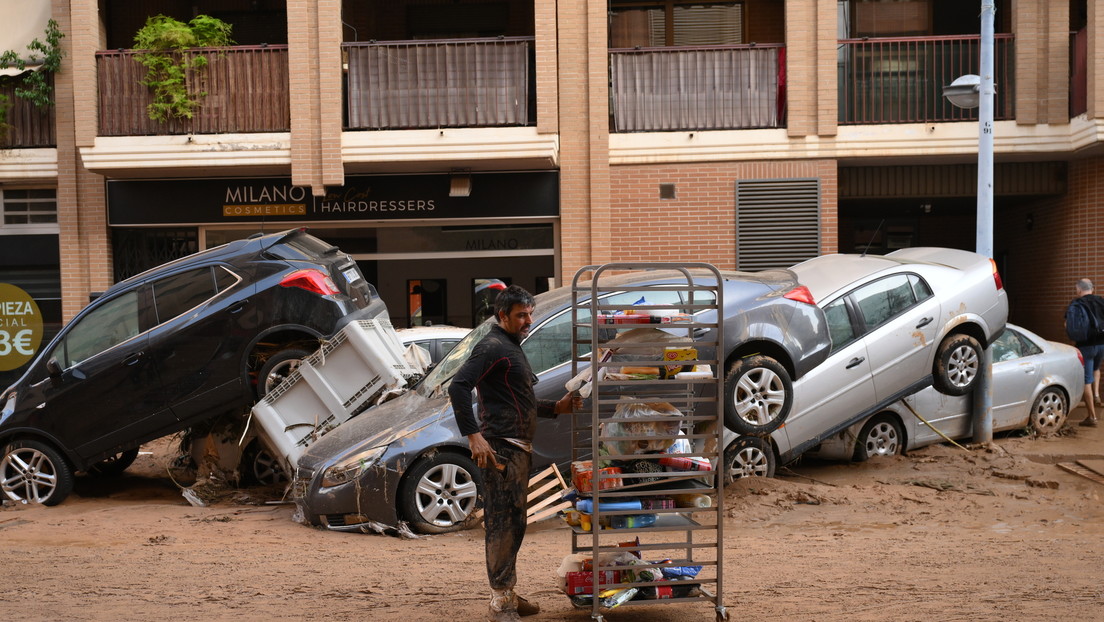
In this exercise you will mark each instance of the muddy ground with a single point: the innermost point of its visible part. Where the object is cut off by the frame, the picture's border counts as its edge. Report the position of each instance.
(996, 533)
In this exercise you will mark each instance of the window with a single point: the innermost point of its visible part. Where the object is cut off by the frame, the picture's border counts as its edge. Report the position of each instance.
(1010, 345)
(840, 328)
(675, 23)
(29, 208)
(892, 18)
(883, 299)
(108, 325)
(180, 293)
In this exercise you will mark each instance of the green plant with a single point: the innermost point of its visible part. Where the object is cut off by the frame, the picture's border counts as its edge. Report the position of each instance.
(34, 85)
(171, 70)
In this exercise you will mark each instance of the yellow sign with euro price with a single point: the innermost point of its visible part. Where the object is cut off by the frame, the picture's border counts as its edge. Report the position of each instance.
(20, 327)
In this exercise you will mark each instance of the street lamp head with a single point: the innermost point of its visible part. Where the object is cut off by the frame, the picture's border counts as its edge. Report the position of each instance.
(963, 92)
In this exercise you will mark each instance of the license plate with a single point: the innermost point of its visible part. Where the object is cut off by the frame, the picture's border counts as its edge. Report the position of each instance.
(351, 275)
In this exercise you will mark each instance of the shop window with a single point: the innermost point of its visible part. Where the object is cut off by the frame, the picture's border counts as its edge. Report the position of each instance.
(27, 209)
(426, 302)
(676, 23)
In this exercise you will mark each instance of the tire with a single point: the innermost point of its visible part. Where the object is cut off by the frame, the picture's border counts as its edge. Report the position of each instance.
(758, 396)
(277, 369)
(749, 456)
(880, 436)
(957, 364)
(441, 492)
(114, 465)
(260, 468)
(1049, 412)
(34, 472)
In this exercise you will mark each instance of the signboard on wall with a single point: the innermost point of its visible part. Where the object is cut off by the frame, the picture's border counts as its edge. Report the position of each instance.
(391, 198)
(20, 327)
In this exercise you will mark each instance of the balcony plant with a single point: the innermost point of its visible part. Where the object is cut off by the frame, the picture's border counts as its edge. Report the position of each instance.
(34, 86)
(172, 72)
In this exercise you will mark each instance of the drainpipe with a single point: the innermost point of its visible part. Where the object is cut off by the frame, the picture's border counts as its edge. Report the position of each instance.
(983, 394)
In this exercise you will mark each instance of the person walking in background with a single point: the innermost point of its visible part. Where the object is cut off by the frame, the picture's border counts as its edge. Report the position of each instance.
(501, 441)
(1085, 325)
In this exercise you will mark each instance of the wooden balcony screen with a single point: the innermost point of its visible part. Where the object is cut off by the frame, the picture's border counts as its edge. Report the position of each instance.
(439, 83)
(721, 87)
(901, 80)
(247, 91)
(28, 126)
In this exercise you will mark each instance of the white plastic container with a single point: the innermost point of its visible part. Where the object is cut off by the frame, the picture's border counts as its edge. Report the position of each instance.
(339, 380)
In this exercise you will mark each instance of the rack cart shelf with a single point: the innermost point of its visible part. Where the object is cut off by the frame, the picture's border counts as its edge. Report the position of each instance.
(647, 454)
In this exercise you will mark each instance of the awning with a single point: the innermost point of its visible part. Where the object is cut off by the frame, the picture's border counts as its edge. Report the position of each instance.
(24, 21)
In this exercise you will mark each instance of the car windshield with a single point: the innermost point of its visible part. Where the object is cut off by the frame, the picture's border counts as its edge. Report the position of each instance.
(447, 368)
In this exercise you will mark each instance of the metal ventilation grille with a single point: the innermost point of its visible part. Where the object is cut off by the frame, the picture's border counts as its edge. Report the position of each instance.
(777, 222)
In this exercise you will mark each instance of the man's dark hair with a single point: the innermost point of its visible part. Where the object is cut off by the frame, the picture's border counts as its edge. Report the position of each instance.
(507, 298)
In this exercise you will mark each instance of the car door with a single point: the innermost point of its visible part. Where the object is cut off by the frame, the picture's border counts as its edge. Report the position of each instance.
(899, 316)
(199, 339)
(833, 394)
(108, 394)
(1016, 376)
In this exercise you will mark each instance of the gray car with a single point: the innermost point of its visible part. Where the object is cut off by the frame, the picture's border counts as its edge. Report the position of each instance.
(405, 462)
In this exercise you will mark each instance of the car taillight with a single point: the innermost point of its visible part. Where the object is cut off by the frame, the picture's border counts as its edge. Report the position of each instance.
(801, 294)
(1080, 357)
(996, 275)
(313, 281)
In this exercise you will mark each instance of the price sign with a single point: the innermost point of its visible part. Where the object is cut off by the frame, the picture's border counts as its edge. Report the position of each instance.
(20, 327)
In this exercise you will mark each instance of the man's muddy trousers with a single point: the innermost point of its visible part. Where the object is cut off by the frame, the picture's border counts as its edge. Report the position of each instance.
(504, 511)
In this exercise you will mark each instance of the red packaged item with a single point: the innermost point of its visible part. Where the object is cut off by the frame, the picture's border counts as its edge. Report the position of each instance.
(682, 463)
(581, 474)
(583, 582)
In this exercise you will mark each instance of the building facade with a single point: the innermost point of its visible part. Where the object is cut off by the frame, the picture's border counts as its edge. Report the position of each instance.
(453, 145)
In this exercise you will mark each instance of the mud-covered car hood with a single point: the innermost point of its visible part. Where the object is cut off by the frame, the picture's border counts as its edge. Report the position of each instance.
(382, 425)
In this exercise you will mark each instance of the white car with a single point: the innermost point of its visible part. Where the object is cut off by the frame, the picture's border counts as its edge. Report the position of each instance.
(1036, 383)
(437, 341)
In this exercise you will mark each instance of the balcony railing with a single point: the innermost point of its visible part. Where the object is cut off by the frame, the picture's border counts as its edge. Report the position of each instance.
(247, 91)
(901, 80)
(441, 83)
(28, 126)
(697, 88)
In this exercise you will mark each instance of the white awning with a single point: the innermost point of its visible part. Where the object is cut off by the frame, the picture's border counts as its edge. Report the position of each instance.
(24, 21)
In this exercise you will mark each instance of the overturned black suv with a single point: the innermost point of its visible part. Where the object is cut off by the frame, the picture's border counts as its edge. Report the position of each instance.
(167, 349)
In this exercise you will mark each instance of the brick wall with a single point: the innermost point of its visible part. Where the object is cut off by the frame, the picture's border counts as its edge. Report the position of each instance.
(700, 223)
(1062, 245)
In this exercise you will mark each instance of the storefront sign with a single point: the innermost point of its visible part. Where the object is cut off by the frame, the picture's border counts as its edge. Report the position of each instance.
(20, 327)
(384, 197)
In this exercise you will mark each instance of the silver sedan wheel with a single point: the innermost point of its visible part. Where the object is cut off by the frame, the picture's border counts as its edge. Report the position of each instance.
(963, 366)
(28, 475)
(1048, 414)
(446, 495)
(759, 396)
(882, 440)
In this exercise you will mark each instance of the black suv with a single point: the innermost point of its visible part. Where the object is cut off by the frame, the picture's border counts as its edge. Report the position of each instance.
(185, 342)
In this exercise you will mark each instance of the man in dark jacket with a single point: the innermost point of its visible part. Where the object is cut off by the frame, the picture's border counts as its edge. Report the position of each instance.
(501, 439)
(1081, 312)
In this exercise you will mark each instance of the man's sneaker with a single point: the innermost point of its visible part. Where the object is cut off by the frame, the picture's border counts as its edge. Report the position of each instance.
(526, 608)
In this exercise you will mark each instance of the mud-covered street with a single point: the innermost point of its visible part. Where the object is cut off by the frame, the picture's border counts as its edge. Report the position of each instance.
(941, 534)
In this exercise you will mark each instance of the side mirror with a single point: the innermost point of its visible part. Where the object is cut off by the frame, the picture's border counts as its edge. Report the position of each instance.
(53, 367)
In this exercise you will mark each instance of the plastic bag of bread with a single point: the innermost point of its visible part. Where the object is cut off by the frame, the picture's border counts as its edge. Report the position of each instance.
(643, 433)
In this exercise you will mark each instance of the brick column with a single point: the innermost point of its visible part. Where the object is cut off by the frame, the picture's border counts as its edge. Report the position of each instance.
(314, 53)
(548, 109)
(84, 238)
(801, 67)
(585, 220)
(1042, 62)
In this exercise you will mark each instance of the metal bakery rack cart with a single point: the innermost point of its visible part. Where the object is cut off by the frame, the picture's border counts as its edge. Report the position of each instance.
(647, 526)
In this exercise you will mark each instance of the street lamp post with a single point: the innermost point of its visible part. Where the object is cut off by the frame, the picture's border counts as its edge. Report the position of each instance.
(969, 92)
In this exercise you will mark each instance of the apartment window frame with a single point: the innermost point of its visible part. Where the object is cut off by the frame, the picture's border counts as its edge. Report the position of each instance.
(669, 7)
(25, 195)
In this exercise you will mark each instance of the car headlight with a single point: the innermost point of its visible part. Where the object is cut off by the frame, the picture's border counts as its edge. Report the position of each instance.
(350, 467)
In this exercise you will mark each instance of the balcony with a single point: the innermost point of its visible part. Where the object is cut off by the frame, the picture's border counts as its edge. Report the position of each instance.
(441, 83)
(697, 88)
(28, 125)
(247, 91)
(901, 80)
